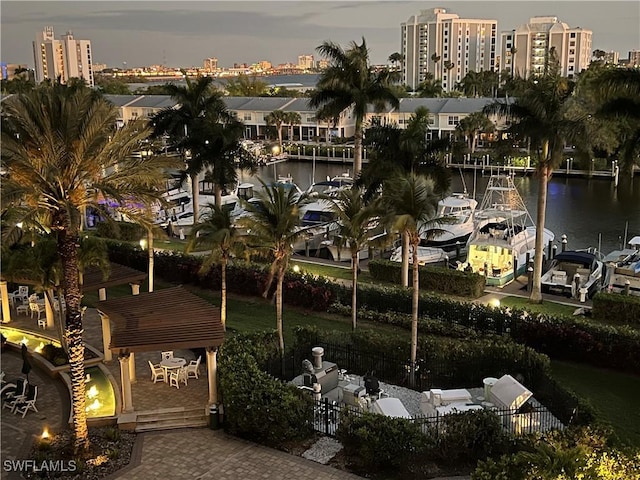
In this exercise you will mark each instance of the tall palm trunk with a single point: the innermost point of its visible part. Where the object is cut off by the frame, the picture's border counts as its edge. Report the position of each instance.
(414, 311)
(223, 295)
(279, 318)
(405, 260)
(217, 192)
(354, 292)
(544, 172)
(357, 148)
(280, 136)
(68, 243)
(150, 257)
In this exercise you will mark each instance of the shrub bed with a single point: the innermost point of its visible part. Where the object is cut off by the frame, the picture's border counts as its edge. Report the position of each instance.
(617, 308)
(257, 406)
(435, 279)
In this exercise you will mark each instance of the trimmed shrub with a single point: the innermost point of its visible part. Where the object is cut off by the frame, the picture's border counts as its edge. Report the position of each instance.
(379, 442)
(617, 308)
(432, 278)
(125, 231)
(257, 406)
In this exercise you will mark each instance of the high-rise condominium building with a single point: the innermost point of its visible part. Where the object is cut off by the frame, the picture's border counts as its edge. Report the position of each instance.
(446, 46)
(612, 57)
(634, 58)
(210, 64)
(65, 58)
(305, 62)
(525, 50)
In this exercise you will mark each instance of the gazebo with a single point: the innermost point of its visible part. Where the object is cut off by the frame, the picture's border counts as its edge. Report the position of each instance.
(172, 318)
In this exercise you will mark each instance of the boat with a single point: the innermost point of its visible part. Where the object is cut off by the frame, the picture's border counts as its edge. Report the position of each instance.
(574, 270)
(426, 255)
(330, 187)
(504, 234)
(338, 248)
(623, 269)
(318, 222)
(459, 208)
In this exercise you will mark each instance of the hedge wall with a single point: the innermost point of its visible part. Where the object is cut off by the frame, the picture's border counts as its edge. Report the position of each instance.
(257, 406)
(617, 308)
(435, 279)
(572, 339)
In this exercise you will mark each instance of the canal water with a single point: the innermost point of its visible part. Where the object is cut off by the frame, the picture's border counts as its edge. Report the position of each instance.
(588, 211)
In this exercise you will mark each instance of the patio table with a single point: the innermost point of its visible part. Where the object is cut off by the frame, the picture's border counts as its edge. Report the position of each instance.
(171, 364)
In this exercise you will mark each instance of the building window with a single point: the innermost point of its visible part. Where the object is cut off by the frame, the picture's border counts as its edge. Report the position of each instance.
(247, 116)
(572, 35)
(453, 120)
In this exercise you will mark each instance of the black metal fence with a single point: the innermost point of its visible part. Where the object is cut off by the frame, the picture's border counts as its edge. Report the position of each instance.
(433, 373)
(327, 417)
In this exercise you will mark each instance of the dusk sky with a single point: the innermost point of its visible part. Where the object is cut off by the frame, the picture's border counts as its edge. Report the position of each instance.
(180, 33)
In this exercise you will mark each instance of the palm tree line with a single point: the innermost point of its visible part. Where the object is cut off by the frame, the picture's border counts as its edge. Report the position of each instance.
(63, 154)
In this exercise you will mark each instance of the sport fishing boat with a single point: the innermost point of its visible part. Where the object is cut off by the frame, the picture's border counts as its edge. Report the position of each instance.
(623, 269)
(459, 208)
(503, 235)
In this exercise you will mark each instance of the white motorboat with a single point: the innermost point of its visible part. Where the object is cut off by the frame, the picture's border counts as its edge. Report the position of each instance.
(318, 223)
(330, 187)
(503, 235)
(572, 271)
(623, 269)
(459, 208)
(339, 249)
(426, 255)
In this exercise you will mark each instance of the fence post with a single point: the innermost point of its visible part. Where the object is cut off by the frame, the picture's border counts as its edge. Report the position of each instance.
(326, 416)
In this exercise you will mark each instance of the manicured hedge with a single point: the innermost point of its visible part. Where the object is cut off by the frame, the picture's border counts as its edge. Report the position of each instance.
(257, 406)
(569, 338)
(617, 308)
(432, 278)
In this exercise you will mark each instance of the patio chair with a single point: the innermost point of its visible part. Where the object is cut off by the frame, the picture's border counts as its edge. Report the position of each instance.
(193, 369)
(22, 292)
(174, 379)
(23, 307)
(13, 391)
(182, 375)
(157, 372)
(166, 355)
(27, 403)
(37, 308)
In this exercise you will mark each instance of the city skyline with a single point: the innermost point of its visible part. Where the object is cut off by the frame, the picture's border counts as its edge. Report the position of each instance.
(185, 33)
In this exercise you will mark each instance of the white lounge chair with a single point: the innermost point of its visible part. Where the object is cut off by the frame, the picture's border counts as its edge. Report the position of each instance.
(157, 372)
(23, 307)
(193, 369)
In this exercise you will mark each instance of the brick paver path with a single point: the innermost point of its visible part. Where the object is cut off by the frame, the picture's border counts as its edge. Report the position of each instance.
(199, 454)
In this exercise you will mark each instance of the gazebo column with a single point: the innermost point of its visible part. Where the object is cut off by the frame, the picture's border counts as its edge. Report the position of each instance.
(6, 310)
(48, 311)
(212, 374)
(106, 336)
(132, 367)
(125, 380)
(102, 294)
(135, 288)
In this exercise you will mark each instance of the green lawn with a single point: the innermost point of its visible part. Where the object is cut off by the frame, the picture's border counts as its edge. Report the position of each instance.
(550, 308)
(342, 272)
(615, 395)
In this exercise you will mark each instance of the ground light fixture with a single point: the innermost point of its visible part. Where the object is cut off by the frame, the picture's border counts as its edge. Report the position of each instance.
(495, 302)
(45, 434)
(296, 268)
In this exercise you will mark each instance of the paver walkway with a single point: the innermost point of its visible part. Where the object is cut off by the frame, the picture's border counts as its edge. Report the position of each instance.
(194, 454)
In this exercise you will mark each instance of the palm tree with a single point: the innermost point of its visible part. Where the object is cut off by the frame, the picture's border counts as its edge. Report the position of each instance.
(412, 204)
(56, 143)
(293, 119)
(351, 82)
(204, 127)
(277, 119)
(540, 114)
(619, 92)
(355, 219)
(246, 86)
(273, 224)
(471, 125)
(216, 232)
(430, 87)
(396, 60)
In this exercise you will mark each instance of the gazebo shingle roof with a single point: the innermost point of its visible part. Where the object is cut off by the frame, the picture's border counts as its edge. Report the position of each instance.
(119, 275)
(172, 318)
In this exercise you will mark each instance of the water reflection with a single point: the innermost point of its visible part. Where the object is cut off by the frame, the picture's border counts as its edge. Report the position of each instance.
(586, 210)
